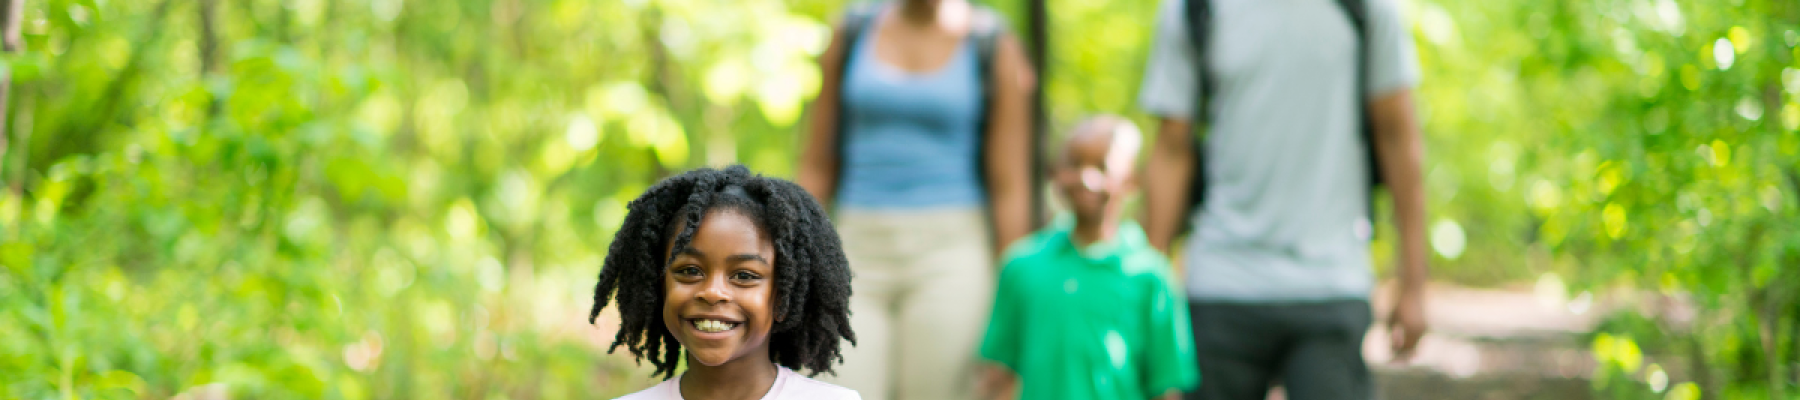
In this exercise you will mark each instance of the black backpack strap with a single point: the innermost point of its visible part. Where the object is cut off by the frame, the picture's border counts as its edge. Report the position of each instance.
(985, 29)
(1358, 13)
(1198, 16)
(855, 22)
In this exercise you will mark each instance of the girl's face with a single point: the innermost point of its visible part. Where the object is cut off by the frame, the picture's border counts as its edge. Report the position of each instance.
(720, 290)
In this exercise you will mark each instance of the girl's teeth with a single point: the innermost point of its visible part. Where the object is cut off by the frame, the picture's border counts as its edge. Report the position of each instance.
(711, 325)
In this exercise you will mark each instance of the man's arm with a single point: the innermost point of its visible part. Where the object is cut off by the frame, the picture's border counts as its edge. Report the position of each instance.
(819, 156)
(1009, 144)
(1401, 149)
(1167, 178)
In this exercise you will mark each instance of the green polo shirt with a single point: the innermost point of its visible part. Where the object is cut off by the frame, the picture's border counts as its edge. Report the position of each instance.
(1111, 324)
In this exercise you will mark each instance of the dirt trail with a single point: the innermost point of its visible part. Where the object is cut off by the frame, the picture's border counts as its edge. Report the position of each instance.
(1484, 344)
(1489, 344)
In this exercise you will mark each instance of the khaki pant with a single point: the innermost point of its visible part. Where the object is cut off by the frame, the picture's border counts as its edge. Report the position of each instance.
(923, 287)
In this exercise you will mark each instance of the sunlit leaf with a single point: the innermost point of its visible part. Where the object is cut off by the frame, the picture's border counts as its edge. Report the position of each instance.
(1683, 391)
(1614, 218)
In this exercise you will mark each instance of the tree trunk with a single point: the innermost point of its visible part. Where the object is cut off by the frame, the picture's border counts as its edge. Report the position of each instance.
(665, 83)
(1038, 20)
(11, 12)
(1763, 302)
(209, 52)
(284, 19)
(1794, 348)
(1769, 326)
(1703, 373)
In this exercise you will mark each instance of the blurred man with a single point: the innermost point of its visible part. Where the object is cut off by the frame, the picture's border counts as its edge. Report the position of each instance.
(1277, 266)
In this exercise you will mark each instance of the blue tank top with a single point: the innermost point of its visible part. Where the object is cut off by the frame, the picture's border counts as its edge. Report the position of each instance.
(911, 139)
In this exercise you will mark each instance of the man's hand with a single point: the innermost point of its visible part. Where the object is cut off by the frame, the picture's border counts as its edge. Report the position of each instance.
(1406, 325)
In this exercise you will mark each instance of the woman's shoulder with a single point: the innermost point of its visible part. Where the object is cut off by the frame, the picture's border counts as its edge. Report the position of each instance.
(797, 386)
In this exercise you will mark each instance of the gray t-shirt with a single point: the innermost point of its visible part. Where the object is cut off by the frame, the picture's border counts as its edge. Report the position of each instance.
(1285, 216)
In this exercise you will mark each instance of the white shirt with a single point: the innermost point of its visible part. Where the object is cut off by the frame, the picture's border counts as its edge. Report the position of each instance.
(1287, 195)
(788, 386)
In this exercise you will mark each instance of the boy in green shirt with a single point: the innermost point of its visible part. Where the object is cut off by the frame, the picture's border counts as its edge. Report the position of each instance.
(1087, 309)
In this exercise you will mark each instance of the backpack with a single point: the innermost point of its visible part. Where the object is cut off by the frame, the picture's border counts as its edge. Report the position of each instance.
(986, 27)
(1198, 14)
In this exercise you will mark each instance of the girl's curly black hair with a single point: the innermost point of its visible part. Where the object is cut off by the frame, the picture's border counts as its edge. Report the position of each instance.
(812, 278)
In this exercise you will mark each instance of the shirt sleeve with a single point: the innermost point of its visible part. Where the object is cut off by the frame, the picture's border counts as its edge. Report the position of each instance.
(1393, 61)
(1001, 342)
(1169, 340)
(1170, 89)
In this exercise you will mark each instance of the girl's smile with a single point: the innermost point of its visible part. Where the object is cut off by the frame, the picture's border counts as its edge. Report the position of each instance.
(713, 324)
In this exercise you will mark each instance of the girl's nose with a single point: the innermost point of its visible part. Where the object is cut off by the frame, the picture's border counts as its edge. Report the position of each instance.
(714, 291)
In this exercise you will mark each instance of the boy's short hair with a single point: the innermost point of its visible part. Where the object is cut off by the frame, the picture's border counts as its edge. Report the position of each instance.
(812, 275)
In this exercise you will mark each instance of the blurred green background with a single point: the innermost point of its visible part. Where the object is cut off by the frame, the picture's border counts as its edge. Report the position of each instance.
(376, 199)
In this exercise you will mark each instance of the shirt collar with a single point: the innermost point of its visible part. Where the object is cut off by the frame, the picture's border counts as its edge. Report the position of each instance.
(1129, 236)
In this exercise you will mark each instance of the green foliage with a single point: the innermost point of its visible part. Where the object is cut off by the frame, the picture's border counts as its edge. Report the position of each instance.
(409, 199)
(353, 200)
(1639, 147)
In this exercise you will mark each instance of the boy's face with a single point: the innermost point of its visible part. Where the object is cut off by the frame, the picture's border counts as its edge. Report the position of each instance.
(719, 291)
(1091, 176)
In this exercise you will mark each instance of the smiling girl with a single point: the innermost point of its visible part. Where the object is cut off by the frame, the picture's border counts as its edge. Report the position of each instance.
(740, 274)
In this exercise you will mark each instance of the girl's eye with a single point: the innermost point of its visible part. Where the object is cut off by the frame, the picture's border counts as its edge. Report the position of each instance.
(745, 276)
(687, 270)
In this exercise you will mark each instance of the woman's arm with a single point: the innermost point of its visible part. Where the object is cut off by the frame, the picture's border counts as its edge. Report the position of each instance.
(1009, 143)
(819, 156)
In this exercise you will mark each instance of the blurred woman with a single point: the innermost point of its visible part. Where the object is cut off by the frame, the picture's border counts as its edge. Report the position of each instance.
(920, 143)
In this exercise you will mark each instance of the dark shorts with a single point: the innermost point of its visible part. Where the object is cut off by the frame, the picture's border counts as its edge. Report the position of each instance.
(1314, 350)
